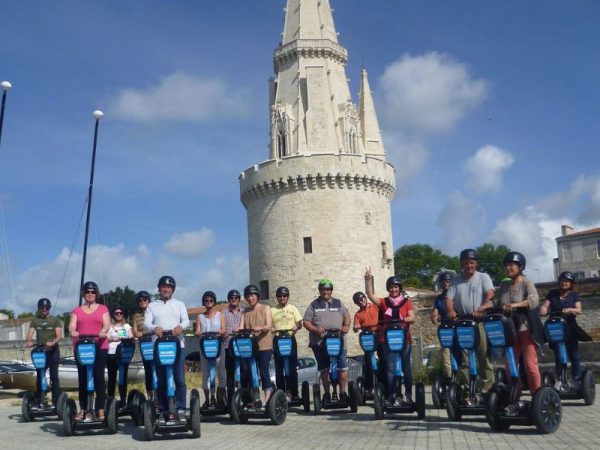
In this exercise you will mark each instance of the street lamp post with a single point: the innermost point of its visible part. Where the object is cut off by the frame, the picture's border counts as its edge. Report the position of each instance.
(5, 85)
(97, 115)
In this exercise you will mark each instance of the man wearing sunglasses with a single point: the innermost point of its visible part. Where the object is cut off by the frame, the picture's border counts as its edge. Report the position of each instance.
(230, 322)
(286, 317)
(49, 332)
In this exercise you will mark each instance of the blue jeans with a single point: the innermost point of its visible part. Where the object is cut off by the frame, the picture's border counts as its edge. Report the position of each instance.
(180, 387)
(390, 361)
(263, 360)
(572, 344)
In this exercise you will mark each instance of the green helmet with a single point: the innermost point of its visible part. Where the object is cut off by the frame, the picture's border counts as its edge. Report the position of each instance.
(325, 283)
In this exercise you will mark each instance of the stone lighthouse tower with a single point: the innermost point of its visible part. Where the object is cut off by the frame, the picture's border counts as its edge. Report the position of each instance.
(319, 206)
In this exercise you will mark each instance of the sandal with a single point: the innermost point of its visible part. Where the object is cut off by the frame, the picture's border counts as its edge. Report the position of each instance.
(100, 414)
(80, 415)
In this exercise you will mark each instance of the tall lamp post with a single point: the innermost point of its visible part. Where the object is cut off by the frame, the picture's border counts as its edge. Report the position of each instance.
(97, 115)
(5, 85)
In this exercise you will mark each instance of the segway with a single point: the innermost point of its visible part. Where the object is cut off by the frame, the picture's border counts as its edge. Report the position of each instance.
(467, 338)
(503, 406)
(282, 345)
(556, 330)
(85, 352)
(147, 352)
(447, 337)
(210, 346)
(368, 343)
(132, 406)
(167, 351)
(36, 404)
(395, 340)
(245, 403)
(334, 344)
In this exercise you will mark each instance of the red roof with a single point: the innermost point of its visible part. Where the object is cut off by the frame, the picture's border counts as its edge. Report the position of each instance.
(581, 233)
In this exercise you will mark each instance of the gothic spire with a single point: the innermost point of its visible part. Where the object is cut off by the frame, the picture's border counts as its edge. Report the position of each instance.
(371, 134)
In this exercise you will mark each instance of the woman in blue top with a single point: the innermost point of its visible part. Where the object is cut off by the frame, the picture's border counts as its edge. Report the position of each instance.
(566, 301)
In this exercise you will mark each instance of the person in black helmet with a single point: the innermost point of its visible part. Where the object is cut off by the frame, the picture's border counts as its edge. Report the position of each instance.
(396, 306)
(438, 313)
(231, 321)
(142, 300)
(519, 298)
(167, 313)
(566, 301)
(49, 332)
(471, 293)
(119, 330)
(286, 317)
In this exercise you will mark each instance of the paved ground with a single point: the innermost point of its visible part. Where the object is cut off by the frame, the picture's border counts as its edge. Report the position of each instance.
(579, 429)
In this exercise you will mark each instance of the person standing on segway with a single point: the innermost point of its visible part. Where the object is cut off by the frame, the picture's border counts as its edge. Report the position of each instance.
(367, 317)
(327, 313)
(438, 313)
(231, 321)
(167, 313)
(258, 319)
(286, 317)
(567, 302)
(143, 300)
(92, 318)
(471, 293)
(397, 306)
(49, 332)
(210, 322)
(119, 329)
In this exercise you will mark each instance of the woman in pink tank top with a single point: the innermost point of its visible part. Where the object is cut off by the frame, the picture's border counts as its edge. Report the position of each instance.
(91, 318)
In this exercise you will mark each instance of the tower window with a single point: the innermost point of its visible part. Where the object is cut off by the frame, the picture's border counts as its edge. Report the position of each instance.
(307, 245)
(383, 250)
(264, 289)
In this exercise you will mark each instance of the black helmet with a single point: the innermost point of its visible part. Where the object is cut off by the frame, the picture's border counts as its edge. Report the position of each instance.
(566, 275)
(44, 302)
(515, 257)
(90, 286)
(209, 294)
(167, 280)
(444, 276)
(325, 283)
(357, 297)
(142, 294)
(116, 308)
(468, 253)
(233, 293)
(282, 290)
(393, 281)
(251, 289)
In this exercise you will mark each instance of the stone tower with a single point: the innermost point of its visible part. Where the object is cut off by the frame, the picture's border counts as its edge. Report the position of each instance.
(319, 206)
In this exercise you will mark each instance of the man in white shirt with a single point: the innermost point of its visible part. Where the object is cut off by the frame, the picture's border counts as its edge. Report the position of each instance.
(167, 313)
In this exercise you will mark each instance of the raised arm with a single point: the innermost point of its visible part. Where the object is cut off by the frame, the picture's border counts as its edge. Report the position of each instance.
(369, 287)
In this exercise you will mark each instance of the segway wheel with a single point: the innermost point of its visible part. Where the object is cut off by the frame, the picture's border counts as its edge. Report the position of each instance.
(436, 390)
(130, 396)
(493, 405)
(137, 408)
(420, 401)
(194, 394)
(306, 396)
(149, 420)
(588, 387)
(354, 396)
(60, 404)
(277, 408)
(69, 411)
(360, 386)
(452, 396)
(26, 405)
(112, 417)
(500, 375)
(195, 417)
(548, 379)
(317, 405)
(379, 401)
(237, 403)
(547, 410)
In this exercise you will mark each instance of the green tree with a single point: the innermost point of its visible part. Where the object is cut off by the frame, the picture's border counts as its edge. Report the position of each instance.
(9, 312)
(124, 297)
(25, 315)
(418, 264)
(66, 318)
(490, 260)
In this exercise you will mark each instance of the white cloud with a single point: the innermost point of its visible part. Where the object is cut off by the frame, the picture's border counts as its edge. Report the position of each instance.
(428, 93)
(486, 167)
(462, 221)
(191, 244)
(143, 250)
(180, 96)
(408, 157)
(581, 201)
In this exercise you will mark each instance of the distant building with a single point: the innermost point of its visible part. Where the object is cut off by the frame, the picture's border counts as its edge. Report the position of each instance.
(578, 252)
(14, 329)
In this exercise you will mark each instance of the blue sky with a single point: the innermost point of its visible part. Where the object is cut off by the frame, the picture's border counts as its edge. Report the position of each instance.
(489, 110)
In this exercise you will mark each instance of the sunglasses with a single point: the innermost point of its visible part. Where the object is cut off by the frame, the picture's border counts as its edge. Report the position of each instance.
(118, 313)
(45, 308)
(285, 296)
(234, 296)
(144, 299)
(209, 300)
(89, 292)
